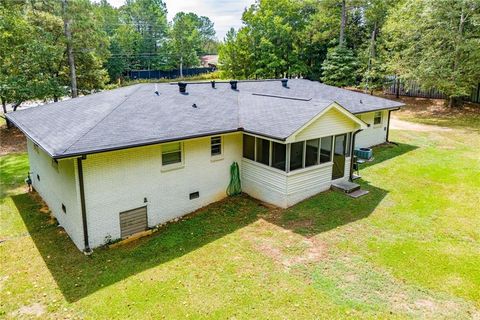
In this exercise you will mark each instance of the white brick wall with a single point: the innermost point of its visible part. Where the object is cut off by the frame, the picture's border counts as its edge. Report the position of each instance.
(120, 180)
(57, 187)
(373, 135)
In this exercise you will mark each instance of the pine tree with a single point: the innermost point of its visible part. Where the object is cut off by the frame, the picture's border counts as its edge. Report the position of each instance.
(340, 67)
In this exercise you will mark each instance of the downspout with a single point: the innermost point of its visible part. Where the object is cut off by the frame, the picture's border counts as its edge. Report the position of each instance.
(388, 127)
(87, 249)
(352, 147)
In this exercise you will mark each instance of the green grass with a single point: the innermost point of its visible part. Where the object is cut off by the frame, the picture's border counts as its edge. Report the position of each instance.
(410, 248)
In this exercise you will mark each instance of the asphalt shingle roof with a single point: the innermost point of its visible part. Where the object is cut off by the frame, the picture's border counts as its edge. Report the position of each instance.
(135, 115)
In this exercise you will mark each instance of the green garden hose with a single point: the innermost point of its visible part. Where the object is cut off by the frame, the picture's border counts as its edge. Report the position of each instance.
(235, 186)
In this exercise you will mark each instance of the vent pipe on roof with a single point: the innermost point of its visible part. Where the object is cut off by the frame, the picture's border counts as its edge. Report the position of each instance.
(233, 84)
(213, 83)
(284, 82)
(182, 87)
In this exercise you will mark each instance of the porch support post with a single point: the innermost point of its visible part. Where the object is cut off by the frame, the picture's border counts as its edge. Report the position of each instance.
(352, 146)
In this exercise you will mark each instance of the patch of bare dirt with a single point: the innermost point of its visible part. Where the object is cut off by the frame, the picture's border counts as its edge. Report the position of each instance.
(284, 246)
(35, 309)
(11, 141)
(411, 126)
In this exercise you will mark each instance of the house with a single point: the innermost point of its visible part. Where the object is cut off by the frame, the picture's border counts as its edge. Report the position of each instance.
(117, 162)
(209, 60)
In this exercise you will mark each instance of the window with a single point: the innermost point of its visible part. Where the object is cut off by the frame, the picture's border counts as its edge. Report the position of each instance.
(249, 147)
(216, 146)
(377, 118)
(349, 141)
(171, 153)
(326, 149)
(311, 152)
(279, 152)
(296, 155)
(340, 142)
(263, 151)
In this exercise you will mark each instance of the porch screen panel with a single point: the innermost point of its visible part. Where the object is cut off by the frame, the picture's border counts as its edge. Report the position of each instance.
(326, 149)
(311, 152)
(296, 155)
(263, 151)
(249, 147)
(279, 151)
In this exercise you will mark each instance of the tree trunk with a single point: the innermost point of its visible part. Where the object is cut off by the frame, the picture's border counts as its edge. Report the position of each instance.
(343, 23)
(371, 56)
(397, 88)
(71, 60)
(455, 102)
(4, 107)
(181, 67)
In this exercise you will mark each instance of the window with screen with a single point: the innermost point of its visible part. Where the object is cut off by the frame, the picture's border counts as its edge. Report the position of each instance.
(263, 151)
(249, 147)
(311, 152)
(325, 149)
(279, 153)
(296, 155)
(216, 146)
(171, 153)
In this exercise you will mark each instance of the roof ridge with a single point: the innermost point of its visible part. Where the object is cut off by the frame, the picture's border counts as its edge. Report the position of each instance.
(109, 113)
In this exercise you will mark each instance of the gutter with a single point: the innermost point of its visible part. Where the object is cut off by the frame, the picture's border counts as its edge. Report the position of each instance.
(87, 249)
(351, 154)
(381, 109)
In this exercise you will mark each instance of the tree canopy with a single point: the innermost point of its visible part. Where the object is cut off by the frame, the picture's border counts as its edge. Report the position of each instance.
(359, 42)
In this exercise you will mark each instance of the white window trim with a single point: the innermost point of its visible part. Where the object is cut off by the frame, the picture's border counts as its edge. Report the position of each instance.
(381, 119)
(220, 156)
(174, 166)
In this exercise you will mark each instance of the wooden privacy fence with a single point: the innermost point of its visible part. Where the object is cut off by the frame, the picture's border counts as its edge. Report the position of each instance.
(413, 89)
(169, 74)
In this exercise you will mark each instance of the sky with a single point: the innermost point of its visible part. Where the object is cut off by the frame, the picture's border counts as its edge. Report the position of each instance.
(224, 13)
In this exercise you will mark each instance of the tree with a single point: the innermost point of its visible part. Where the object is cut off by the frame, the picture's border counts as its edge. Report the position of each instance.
(437, 44)
(149, 19)
(340, 67)
(189, 35)
(28, 52)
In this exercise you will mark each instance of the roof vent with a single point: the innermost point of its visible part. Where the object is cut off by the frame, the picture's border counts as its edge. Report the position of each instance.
(182, 87)
(233, 84)
(213, 83)
(284, 82)
(194, 105)
(156, 89)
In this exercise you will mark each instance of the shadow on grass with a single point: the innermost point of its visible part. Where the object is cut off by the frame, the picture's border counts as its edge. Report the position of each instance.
(327, 211)
(389, 151)
(78, 276)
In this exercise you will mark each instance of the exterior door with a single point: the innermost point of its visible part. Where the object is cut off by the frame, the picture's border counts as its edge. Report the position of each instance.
(133, 221)
(339, 156)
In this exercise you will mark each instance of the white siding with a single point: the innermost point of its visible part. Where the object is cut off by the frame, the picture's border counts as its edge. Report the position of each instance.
(119, 181)
(57, 187)
(308, 182)
(331, 123)
(373, 135)
(264, 183)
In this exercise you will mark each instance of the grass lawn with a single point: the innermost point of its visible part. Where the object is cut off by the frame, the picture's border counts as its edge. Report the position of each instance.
(410, 248)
